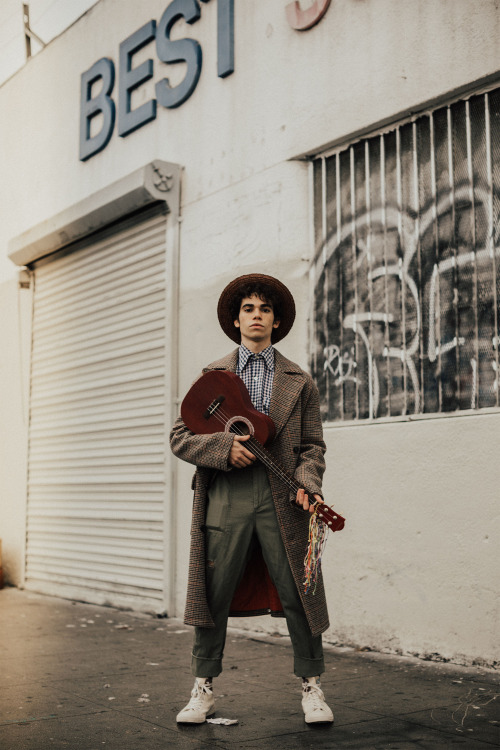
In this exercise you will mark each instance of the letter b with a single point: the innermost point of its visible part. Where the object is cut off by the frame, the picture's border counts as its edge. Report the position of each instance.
(92, 106)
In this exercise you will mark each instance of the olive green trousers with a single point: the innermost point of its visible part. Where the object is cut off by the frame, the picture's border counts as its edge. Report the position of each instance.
(240, 513)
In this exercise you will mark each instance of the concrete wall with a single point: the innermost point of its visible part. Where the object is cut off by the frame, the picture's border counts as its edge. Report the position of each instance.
(423, 536)
(414, 569)
(292, 92)
(15, 338)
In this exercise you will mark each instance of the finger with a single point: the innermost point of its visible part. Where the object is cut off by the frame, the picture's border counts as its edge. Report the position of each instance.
(237, 460)
(302, 499)
(241, 459)
(306, 503)
(240, 438)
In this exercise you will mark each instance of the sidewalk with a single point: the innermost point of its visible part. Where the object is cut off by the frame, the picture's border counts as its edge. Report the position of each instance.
(84, 677)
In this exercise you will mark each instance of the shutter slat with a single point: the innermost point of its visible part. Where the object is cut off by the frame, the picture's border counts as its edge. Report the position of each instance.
(96, 476)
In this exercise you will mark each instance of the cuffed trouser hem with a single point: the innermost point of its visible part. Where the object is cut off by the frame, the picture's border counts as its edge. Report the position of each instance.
(308, 667)
(207, 667)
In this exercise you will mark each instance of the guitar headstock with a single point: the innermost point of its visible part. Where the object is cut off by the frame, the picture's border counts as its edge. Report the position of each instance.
(331, 518)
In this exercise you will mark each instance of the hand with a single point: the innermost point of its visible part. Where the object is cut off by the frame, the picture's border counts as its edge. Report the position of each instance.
(239, 456)
(303, 499)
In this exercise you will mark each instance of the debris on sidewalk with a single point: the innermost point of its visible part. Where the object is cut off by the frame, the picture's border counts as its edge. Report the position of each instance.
(87, 681)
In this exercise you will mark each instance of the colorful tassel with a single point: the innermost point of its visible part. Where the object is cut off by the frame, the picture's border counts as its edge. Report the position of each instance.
(318, 533)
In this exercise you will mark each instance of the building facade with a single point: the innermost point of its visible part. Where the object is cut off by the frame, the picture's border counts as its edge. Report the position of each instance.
(156, 150)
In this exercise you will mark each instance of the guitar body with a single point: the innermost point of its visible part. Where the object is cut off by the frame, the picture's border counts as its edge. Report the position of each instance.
(233, 409)
(219, 402)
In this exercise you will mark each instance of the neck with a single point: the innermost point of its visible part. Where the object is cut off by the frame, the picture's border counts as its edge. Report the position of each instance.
(255, 346)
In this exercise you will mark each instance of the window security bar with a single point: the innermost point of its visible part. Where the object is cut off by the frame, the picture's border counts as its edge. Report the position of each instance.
(406, 270)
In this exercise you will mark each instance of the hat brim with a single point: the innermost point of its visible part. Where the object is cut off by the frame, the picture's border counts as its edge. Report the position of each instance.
(287, 305)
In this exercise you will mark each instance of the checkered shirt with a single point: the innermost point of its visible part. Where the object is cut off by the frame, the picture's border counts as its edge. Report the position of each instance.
(257, 372)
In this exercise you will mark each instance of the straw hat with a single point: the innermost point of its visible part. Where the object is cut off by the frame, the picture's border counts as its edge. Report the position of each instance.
(274, 286)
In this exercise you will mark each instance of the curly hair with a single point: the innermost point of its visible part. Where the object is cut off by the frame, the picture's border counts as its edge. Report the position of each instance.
(261, 290)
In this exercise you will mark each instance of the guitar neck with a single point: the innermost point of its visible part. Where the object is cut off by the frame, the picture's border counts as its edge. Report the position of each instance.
(266, 458)
(333, 520)
(219, 400)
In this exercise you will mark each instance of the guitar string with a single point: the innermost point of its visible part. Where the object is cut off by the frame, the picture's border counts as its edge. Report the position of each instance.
(260, 451)
(317, 534)
(265, 457)
(323, 510)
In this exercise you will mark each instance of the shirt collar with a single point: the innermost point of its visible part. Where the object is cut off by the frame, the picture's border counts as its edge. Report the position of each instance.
(244, 355)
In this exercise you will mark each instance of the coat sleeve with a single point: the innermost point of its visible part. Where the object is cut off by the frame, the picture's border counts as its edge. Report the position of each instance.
(208, 451)
(311, 465)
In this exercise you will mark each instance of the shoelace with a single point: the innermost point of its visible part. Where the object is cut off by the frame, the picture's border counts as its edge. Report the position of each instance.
(197, 696)
(314, 696)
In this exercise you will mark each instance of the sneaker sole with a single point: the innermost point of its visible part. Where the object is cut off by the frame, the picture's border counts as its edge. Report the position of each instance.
(194, 721)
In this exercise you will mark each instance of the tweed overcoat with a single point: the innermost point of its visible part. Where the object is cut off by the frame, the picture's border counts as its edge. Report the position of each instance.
(298, 446)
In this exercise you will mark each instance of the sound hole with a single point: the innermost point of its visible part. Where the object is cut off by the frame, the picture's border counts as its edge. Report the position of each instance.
(239, 426)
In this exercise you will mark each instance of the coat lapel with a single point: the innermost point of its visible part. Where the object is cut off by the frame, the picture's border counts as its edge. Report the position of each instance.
(229, 362)
(287, 385)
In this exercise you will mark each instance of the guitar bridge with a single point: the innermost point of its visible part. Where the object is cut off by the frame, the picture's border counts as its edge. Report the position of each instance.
(212, 408)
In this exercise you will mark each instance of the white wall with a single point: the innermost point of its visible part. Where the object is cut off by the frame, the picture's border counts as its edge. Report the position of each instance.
(291, 92)
(421, 540)
(15, 337)
(413, 570)
(47, 19)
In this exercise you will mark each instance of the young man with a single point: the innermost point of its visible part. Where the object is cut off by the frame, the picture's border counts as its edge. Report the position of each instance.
(249, 537)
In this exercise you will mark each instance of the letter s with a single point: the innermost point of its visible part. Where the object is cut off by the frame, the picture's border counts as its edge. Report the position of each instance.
(179, 50)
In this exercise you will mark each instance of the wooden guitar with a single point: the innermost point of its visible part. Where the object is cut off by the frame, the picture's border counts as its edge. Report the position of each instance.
(219, 402)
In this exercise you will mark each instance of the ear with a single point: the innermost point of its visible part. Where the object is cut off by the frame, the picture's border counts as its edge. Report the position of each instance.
(236, 323)
(276, 323)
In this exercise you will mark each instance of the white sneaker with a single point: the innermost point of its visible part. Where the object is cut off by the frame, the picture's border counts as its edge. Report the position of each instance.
(313, 703)
(201, 705)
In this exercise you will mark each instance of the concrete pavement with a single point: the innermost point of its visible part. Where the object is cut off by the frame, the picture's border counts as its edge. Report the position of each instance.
(85, 677)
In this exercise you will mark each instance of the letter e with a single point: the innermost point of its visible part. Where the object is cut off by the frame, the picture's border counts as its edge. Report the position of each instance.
(131, 78)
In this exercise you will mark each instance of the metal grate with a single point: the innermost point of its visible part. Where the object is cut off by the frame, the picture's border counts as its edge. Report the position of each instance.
(406, 271)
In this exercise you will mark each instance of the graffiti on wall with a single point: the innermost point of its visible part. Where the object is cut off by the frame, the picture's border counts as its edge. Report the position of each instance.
(407, 277)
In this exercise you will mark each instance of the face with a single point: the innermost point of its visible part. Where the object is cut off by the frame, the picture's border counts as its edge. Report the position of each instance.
(256, 322)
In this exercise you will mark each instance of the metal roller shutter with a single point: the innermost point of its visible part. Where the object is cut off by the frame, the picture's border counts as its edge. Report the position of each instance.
(96, 483)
